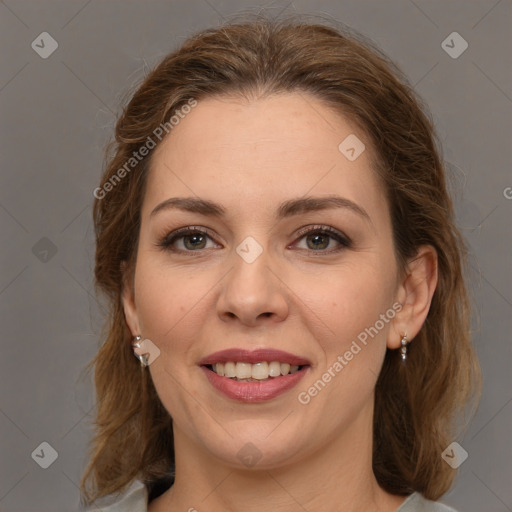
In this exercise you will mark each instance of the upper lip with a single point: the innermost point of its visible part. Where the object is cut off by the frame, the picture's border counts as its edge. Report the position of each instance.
(253, 356)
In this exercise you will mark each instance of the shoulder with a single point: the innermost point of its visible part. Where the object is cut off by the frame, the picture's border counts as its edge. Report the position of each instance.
(417, 503)
(133, 499)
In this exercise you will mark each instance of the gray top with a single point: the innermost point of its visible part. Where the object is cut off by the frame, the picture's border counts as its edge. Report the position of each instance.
(135, 499)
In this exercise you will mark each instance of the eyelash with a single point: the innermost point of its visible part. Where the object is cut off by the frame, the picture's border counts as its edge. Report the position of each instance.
(345, 242)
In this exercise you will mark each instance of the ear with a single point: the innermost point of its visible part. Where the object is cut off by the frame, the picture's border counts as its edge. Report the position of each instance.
(128, 298)
(415, 294)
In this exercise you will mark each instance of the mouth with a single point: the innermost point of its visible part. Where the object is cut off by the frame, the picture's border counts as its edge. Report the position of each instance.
(247, 372)
(254, 376)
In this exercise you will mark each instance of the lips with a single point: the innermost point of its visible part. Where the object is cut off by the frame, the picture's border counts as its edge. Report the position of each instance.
(253, 376)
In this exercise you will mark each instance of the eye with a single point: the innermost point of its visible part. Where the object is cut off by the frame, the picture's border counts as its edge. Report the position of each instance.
(189, 239)
(194, 239)
(319, 238)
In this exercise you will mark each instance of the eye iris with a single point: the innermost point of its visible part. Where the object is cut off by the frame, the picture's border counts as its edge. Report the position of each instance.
(194, 237)
(319, 236)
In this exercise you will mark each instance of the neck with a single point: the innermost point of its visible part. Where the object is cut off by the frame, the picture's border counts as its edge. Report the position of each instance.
(337, 477)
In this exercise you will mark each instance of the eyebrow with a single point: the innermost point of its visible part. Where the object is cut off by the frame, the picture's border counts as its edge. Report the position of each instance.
(286, 209)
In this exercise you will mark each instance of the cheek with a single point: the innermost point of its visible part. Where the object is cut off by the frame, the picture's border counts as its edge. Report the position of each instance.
(346, 301)
(355, 308)
(355, 311)
(165, 300)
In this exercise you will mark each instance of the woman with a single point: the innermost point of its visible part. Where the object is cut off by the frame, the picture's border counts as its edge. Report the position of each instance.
(278, 247)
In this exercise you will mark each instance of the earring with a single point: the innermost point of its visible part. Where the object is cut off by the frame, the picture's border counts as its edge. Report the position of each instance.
(136, 343)
(403, 347)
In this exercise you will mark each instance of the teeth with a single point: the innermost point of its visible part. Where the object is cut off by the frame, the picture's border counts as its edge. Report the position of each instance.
(243, 371)
(229, 369)
(219, 369)
(258, 371)
(285, 368)
(274, 369)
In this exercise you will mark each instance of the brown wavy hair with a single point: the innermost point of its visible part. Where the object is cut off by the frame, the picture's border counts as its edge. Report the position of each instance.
(417, 407)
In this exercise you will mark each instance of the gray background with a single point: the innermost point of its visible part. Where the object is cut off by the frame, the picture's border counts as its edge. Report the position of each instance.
(58, 113)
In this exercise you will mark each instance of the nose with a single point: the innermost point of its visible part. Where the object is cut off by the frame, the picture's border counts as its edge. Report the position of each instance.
(252, 293)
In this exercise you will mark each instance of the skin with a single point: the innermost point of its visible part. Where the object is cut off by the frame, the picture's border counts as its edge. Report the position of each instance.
(250, 156)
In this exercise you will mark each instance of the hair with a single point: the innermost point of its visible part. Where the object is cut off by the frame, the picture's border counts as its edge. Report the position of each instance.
(418, 406)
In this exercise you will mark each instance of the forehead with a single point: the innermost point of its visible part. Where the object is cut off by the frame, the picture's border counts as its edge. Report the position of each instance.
(250, 150)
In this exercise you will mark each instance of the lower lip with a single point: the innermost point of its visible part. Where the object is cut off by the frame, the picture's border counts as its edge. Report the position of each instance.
(254, 391)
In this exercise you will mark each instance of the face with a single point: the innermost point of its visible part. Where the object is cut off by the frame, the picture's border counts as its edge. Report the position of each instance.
(293, 265)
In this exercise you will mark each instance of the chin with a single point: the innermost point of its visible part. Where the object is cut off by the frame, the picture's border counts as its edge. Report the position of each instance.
(253, 450)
